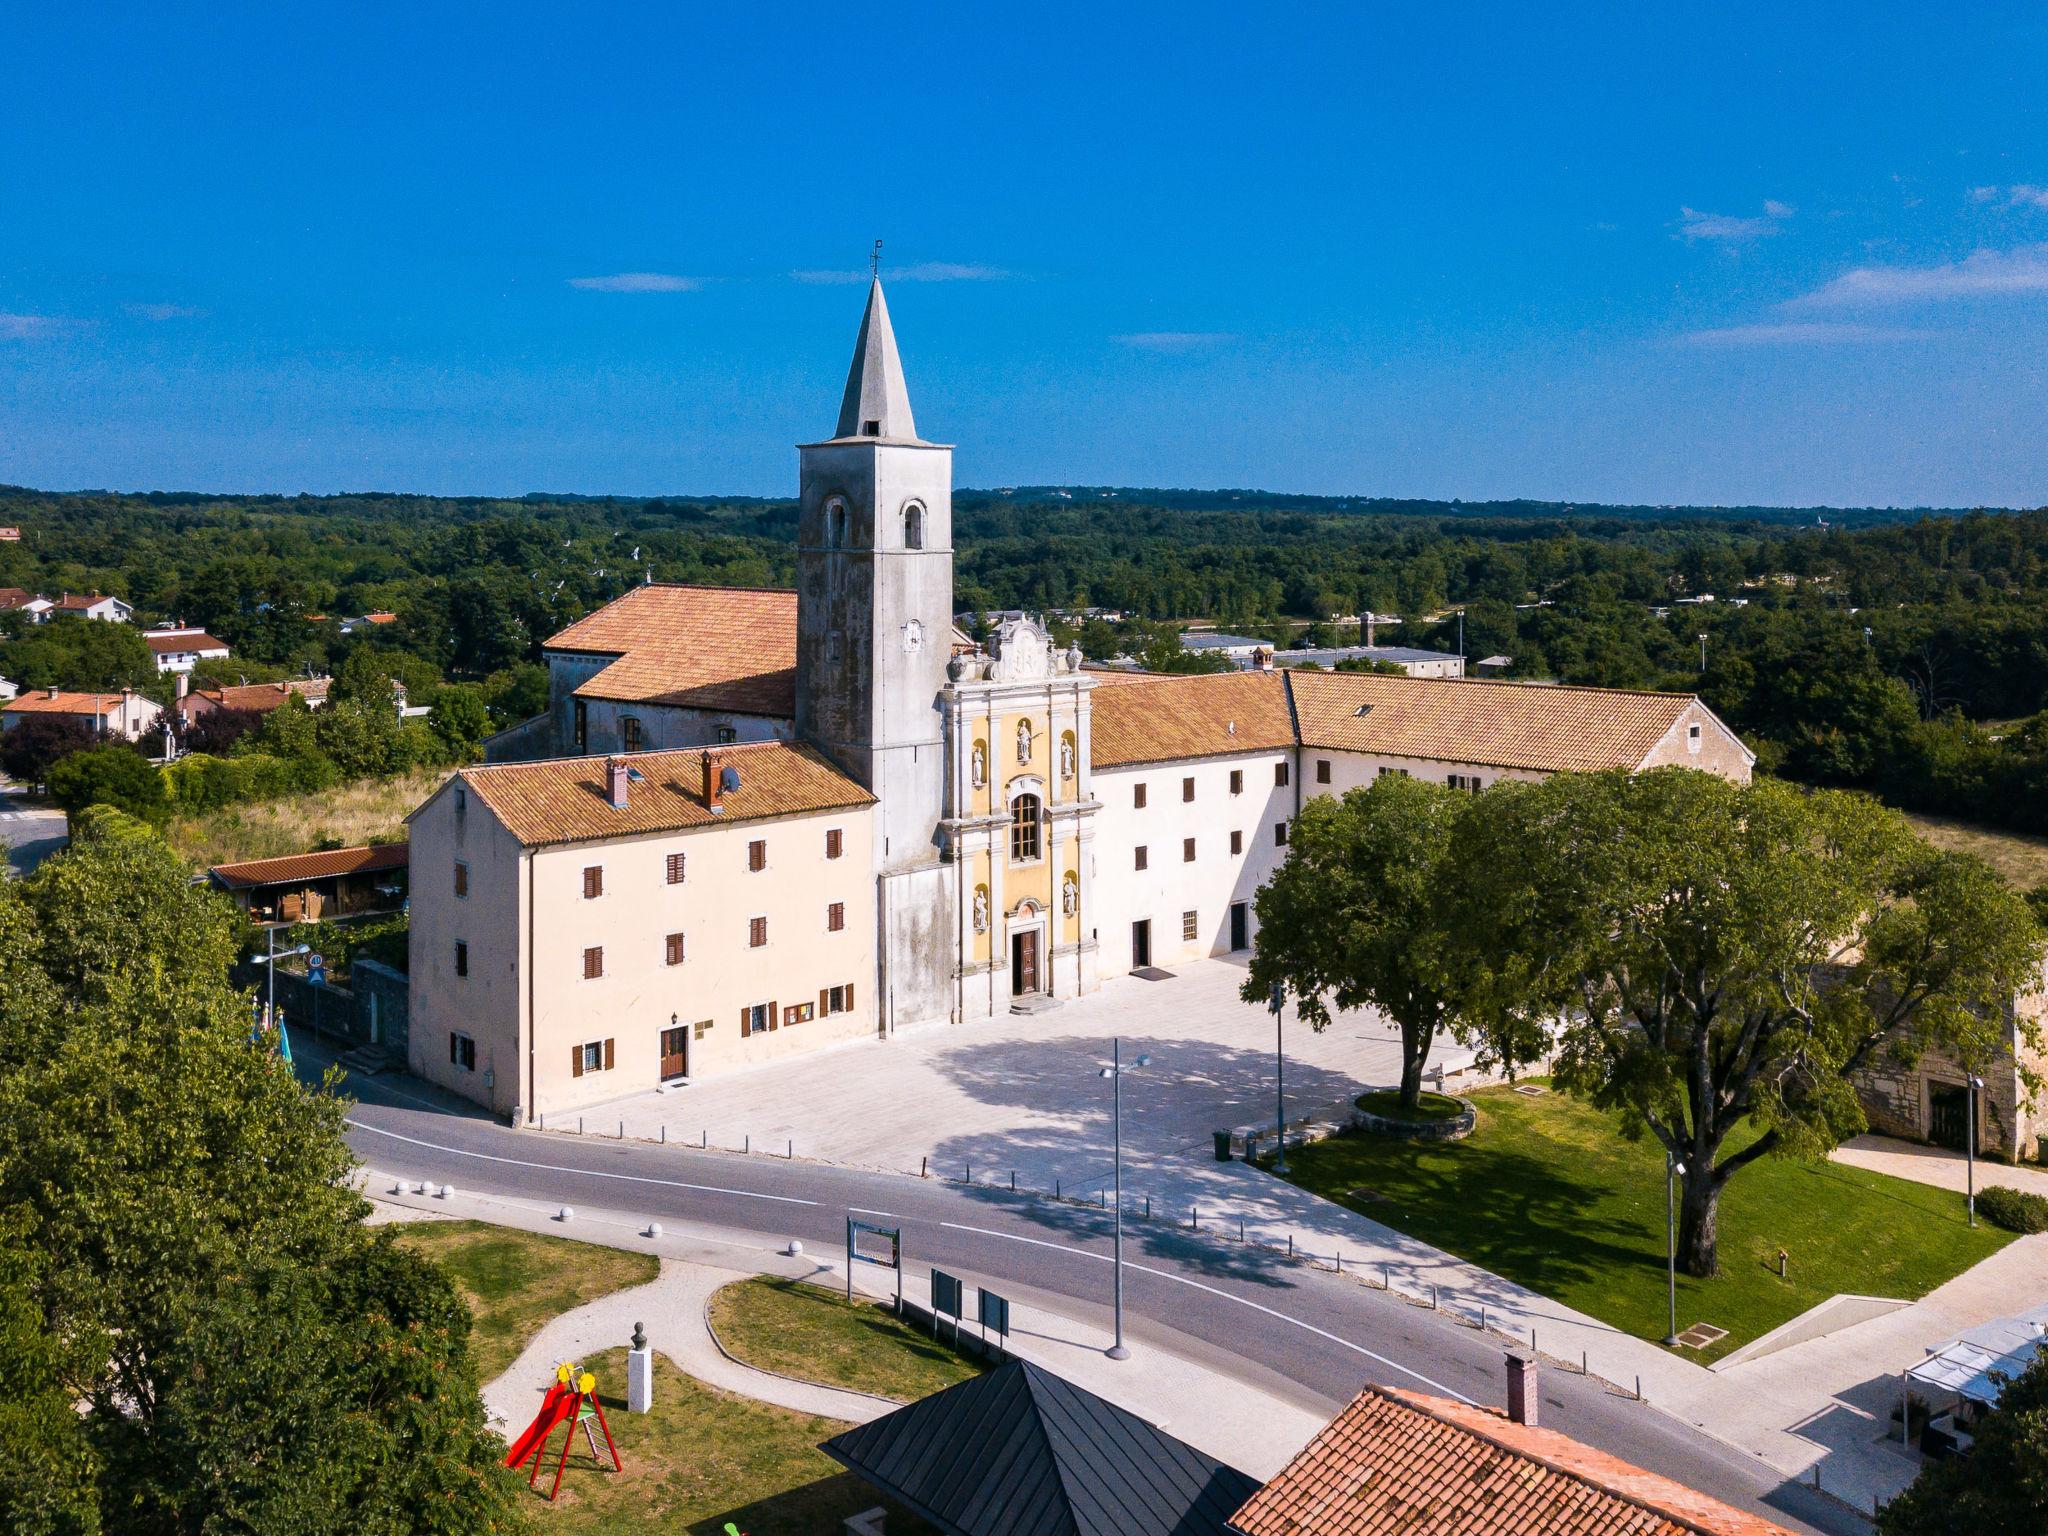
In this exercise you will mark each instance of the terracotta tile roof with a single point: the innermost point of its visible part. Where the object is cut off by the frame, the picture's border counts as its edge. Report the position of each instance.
(15, 597)
(1156, 717)
(262, 697)
(294, 867)
(40, 702)
(187, 640)
(565, 800)
(729, 648)
(1398, 1463)
(1491, 724)
(74, 603)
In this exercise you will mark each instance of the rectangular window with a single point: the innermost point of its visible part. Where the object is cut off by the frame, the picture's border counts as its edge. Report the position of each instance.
(461, 878)
(727, 735)
(757, 1019)
(757, 932)
(629, 733)
(1398, 772)
(757, 855)
(1237, 781)
(835, 917)
(836, 999)
(1137, 797)
(1280, 775)
(799, 1013)
(593, 962)
(1322, 770)
(1280, 834)
(675, 868)
(461, 957)
(1187, 850)
(1464, 781)
(582, 726)
(1187, 789)
(1189, 927)
(461, 1051)
(1142, 857)
(591, 1056)
(835, 843)
(675, 949)
(593, 881)
(1237, 842)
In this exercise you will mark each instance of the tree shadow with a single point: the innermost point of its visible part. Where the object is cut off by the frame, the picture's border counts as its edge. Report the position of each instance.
(811, 1508)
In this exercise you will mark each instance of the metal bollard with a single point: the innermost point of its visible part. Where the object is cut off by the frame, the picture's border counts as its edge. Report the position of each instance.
(1148, 1207)
(1639, 1388)
(924, 1167)
(664, 1133)
(747, 1144)
(1482, 1319)
(1195, 1217)
(970, 1174)
(1013, 1181)
(1055, 1189)
(791, 1152)
(1386, 1278)
(1290, 1245)
(579, 1125)
(622, 1130)
(1432, 1298)
(1584, 1370)
(1340, 1261)
(706, 1142)
(1240, 1229)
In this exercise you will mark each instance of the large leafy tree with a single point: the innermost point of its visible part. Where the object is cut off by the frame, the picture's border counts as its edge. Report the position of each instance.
(1367, 911)
(1718, 956)
(2002, 1485)
(244, 1355)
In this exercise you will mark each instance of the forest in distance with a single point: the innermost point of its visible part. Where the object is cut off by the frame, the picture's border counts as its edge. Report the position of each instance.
(1902, 652)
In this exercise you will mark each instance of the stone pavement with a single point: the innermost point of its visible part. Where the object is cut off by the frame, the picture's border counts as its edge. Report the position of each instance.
(1939, 1166)
(1241, 1424)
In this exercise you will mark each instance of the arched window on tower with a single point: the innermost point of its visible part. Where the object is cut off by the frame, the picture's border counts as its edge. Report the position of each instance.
(835, 523)
(913, 526)
(1025, 839)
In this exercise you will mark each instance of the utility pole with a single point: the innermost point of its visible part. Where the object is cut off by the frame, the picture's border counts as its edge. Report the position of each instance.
(1673, 1171)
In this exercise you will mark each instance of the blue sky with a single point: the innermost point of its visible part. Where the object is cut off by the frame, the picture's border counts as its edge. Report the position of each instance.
(1649, 253)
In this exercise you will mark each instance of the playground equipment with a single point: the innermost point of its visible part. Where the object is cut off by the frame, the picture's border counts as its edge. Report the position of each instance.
(571, 1402)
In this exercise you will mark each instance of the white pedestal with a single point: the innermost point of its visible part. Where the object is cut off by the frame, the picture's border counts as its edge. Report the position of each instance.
(639, 1380)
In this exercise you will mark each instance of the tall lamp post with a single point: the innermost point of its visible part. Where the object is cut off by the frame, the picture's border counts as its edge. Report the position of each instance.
(1976, 1086)
(1674, 1170)
(1115, 1073)
(1278, 1003)
(269, 960)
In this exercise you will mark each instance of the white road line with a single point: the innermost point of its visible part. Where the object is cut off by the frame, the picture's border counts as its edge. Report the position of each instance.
(1009, 1237)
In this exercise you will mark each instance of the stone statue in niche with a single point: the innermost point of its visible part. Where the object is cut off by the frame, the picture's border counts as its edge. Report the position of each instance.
(1066, 757)
(913, 637)
(977, 765)
(1070, 896)
(981, 909)
(1023, 741)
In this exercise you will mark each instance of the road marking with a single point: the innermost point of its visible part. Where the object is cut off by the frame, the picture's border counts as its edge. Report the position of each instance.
(594, 1173)
(1011, 1237)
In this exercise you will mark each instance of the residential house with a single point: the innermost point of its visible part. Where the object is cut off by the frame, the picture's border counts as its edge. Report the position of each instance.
(306, 887)
(178, 649)
(112, 610)
(126, 715)
(258, 698)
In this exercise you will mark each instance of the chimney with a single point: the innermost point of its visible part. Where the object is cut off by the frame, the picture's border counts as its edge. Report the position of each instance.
(615, 772)
(1262, 659)
(711, 777)
(184, 684)
(1523, 1390)
(53, 693)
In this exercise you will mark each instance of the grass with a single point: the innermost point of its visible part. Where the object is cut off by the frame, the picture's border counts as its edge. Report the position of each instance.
(805, 1331)
(2020, 859)
(1386, 1102)
(1546, 1193)
(516, 1281)
(702, 1458)
(368, 811)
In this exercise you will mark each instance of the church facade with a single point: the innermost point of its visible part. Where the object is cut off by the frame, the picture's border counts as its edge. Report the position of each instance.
(754, 823)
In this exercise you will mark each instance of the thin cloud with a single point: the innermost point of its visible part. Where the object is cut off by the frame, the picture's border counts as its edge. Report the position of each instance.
(1173, 341)
(1799, 333)
(1981, 274)
(638, 282)
(1732, 229)
(163, 311)
(2020, 195)
(37, 327)
(916, 272)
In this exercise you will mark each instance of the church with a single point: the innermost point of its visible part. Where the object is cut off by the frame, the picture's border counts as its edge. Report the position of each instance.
(756, 823)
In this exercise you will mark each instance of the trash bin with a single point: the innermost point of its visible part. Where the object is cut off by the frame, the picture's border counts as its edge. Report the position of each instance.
(1223, 1146)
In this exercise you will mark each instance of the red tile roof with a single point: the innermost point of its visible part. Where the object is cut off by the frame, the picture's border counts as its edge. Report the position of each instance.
(262, 697)
(40, 702)
(720, 648)
(1156, 717)
(294, 867)
(1399, 1463)
(188, 640)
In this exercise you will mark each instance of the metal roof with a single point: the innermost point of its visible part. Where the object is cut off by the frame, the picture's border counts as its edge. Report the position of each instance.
(1021, 1452)
(1979, 1362)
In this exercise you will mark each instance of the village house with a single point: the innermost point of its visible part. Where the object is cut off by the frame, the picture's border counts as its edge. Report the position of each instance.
(178, 649)
(126, 715)
(112, 610)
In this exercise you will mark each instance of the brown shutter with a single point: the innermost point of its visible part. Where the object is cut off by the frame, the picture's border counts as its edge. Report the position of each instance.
(849, 997)
(746, 1026)
(575, 1061)
(774, 1016)
(608, 1053)
(824, 1001)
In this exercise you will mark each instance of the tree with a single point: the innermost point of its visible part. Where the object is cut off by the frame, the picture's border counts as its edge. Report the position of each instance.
(1721, 955)
(215, 731)
(461, 718)
(112, 774)
(2002, 1485)
(1367, 911)
(244, 1355)
(33, 742)
(49, 1487)
(287, 730)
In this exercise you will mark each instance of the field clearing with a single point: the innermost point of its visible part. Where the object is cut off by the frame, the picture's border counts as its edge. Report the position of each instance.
(2022, 860)
(368, 811)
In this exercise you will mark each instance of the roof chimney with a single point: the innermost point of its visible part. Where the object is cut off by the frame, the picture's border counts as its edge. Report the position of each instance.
(1523, 1393)
(53, 693)
(1262, 658)
(615, 781)
(712, 783)
(184, 684)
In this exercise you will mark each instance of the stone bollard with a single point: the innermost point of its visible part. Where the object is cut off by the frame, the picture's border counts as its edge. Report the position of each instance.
(566, 1213)
(639, 1373)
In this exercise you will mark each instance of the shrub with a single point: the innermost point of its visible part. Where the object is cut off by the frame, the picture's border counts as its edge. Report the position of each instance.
(2014, 1209)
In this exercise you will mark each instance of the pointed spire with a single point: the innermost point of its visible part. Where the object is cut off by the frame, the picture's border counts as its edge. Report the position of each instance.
(877, 402)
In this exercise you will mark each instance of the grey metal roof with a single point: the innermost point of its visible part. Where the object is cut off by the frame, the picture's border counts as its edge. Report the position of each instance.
(1021, 1452)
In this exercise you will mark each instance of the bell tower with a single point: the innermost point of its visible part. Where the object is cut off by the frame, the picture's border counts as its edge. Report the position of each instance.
(874, 628)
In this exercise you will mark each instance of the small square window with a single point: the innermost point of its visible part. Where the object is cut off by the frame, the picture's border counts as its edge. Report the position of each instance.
(835, 842)
(1322, 770)
(1187, 850)
(757, 855)
(1237, 842)
(727, 735)
(593, 962)
(593, 881)
(1280, 775)
(1137, 797)
(461, 957)
(1188, 926)
(675, 949)
(835, 917)
(757, 932)
(676, 865)
(1187, 789)
(461, 879)
(1141, 857)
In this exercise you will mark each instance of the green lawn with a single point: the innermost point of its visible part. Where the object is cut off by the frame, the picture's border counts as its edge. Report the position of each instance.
(1545, 1192)
(1386, 1102)
(704, 1457)
(805, 1331)
(516, 1281)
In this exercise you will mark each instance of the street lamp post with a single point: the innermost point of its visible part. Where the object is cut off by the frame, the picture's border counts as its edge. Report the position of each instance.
(1115, 1073)
(1976, 1085)
(269, 962)
(1279, 1082)
(1673, 1171)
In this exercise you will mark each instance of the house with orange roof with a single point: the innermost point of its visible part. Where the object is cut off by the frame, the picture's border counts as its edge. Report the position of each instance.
(178, 648)
(126, 715)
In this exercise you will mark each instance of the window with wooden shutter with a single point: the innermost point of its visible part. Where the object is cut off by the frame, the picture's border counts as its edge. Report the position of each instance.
(1237, 781)
(608, 1058)
(1187, 789)
(1141, 856)
(835, 917)
(1237, 842)
(593, 962)
(1280, 834)
(1322, 770)
(834, 842)
(1280, 775)
(675, 869)
(593, 881)
(1137, 797)
(757, 855)
(461, 878)
(575, 1061)
(461, 957)
(675, 949)
(1187, 850)
(746, 1022)
(757, 932)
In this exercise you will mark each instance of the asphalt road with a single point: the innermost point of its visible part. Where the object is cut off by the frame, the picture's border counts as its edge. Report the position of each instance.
(30, 830)
(1304, 1334)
